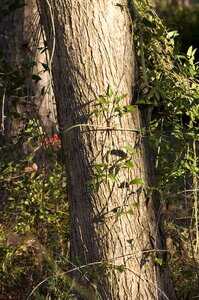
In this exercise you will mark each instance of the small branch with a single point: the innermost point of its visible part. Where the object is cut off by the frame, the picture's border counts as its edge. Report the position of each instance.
(195, 196)
(98, 127)
(51, 58)
(3, 110)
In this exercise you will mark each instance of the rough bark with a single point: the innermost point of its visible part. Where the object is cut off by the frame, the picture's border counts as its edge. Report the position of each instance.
(21, 43)
(117, 223)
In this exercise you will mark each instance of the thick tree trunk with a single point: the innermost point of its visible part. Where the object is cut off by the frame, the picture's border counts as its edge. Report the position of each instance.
(112, 220)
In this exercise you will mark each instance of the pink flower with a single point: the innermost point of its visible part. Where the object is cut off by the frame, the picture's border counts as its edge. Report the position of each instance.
(54, 141)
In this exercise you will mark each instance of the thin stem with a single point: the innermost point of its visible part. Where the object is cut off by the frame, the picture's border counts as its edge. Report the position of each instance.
(3, 110)
(195, 195)
(98, 127)
(51, 57)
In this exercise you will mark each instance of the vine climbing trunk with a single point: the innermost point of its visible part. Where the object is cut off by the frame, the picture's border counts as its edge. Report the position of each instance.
(117, 247)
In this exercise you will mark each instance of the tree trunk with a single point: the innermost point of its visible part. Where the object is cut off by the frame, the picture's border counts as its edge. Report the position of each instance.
(114, 220)
(20, 31)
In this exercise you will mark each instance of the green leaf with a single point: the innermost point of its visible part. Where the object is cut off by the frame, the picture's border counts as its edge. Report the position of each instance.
(106, 157)
(103, 100)
(189, 51)
(148, 23)
(129, 164)
(172, 34)
(98, 170)
(130, 149)
(130, 212)
(119, 98)
(120, 268)
(137, 181)
(119, 109)
(159, 261)
(130, 108)
(110, 91)
(144, 102)
(112, 177)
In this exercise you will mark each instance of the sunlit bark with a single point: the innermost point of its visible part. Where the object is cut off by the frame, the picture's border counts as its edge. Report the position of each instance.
(113, 222)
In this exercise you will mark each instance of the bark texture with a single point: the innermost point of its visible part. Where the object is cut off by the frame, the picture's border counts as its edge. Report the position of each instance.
(111, 222)
(21, 44)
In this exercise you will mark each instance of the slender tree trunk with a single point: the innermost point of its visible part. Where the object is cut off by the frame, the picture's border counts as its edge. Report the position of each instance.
(112, 219)
(21, 44)
(36, 52)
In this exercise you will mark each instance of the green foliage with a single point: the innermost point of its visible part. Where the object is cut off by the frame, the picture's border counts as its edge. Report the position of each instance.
(107, 173)
(169, 93)
(184, 269)
(34, 217)
(186, 22)
(110, 104)
(172, 87)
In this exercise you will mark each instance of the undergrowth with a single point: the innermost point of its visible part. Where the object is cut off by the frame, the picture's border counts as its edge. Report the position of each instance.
(34, 218)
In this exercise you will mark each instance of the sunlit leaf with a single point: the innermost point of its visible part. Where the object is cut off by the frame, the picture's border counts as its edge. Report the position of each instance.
(129, 164)
(119, 98)
(130, 149)
(137, 181)
(110, 91)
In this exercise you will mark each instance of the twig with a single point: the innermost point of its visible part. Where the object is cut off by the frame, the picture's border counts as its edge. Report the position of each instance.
(51, 57)
(98, 127)
(3, 110)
